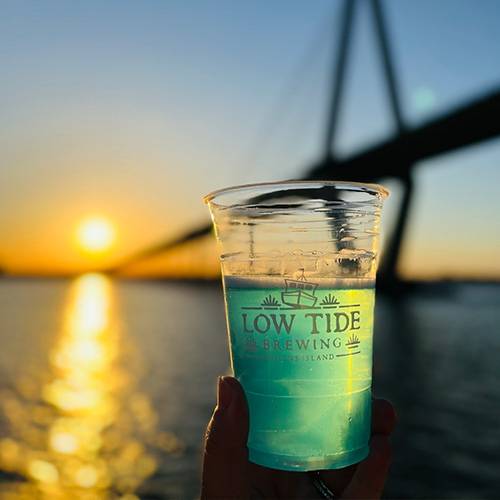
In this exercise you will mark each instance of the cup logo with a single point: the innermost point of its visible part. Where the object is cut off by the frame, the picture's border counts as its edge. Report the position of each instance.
(302, 319)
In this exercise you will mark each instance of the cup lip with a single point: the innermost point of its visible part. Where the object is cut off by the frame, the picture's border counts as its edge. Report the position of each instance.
(371, 188)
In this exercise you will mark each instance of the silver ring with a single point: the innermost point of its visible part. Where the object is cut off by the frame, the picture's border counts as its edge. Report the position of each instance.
(321, 487)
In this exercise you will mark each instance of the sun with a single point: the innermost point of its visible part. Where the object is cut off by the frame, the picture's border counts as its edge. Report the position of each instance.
(95, 234)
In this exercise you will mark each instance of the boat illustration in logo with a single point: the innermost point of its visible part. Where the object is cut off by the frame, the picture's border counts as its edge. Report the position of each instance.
(299, 293)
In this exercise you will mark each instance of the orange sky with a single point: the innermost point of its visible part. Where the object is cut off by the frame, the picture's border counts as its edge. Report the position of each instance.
(460, 243)
(451, 247)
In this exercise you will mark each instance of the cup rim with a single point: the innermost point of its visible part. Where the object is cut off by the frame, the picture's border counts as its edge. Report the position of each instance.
(371, 188)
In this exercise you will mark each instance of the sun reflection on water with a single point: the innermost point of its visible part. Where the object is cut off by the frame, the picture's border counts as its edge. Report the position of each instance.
(83, 430)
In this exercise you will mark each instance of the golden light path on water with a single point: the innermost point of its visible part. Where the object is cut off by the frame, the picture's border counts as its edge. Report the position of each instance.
(83, 430)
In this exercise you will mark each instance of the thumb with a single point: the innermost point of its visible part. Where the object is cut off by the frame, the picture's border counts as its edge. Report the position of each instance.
(225, 460)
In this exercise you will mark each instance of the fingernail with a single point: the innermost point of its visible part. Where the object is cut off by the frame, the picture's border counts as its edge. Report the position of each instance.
(224, 394)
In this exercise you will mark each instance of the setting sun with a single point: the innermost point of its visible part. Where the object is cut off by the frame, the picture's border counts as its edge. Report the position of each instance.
(95, 234)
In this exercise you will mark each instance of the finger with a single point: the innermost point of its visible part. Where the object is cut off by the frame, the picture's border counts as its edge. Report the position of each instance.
(383, 417)
(338, 479)
(370, 475)
(225, 460)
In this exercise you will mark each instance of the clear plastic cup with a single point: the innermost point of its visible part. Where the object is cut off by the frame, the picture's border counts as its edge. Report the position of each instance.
(299, 260)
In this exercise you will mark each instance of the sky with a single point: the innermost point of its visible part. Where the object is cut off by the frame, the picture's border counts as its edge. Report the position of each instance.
(132, 111)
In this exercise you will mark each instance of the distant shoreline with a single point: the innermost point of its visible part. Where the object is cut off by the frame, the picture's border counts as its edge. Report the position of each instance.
(413, 283)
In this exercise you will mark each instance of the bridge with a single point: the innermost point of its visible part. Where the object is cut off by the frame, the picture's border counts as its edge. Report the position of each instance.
(397, 158)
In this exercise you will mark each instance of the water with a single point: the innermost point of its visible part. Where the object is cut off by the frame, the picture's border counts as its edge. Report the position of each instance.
(163, 345)
(97, 400)
(303, 353)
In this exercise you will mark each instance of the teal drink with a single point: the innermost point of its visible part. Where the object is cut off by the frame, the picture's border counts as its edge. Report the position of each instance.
(299, 260)
(304, 359)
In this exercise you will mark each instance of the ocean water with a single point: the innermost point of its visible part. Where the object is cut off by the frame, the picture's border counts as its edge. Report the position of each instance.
(106, 387)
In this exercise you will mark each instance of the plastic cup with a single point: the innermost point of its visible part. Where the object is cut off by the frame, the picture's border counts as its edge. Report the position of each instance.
(298, 262)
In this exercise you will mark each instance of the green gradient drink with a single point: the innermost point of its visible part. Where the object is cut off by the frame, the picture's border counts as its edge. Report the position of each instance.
(299, 263)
